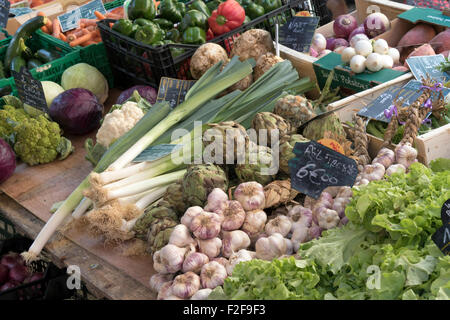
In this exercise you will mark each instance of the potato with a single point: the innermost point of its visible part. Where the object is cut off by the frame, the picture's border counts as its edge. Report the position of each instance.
(441, 42)
(252, 44)
(424, 50)
(421, 33)
(205, 57)
(264, 63)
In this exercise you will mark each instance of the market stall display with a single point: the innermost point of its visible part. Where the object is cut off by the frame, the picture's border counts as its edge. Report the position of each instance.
(215, 194)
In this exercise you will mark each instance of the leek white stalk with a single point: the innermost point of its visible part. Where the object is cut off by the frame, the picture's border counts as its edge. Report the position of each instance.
(81, 209)
(136, 197)
(106, 177)
(141, 186)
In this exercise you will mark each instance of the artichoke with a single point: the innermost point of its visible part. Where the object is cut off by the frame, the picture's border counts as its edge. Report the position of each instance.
(200, 180)
(159, 235)
(287, 144)
(295, 109)
(174, 198)
(258, 166)
(316, 129)
(219, 136)
(270, 121)
(159, 214)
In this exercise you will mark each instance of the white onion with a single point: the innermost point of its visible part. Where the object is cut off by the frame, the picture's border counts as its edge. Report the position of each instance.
(358, 37)
(381, 46)
(363, 48)
(319, 42)
(347, 54)
(374, 62)
(394, 54)
(357, 64)
(339, 49)
(387, 61)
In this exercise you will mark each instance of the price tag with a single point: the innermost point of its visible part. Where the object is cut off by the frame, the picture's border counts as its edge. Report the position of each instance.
(298, 32)
(29, 89)
(409, 93)
(442, 236)
(316, 167)
(4, 12)
(173, 90)
(70, 20)
(421, 66)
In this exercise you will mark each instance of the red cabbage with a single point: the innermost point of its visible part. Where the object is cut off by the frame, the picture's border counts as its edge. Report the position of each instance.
(18, 273)
(11, 259)
(7, 161)
(77, 111)
(4, 274)
(146, 92)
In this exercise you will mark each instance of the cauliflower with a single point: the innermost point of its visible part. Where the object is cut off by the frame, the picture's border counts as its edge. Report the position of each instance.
(38, 140)
(9, 116)
(117, 123)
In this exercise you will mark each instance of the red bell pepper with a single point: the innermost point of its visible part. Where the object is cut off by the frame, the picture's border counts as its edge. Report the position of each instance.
(228, 16)
(209, 35)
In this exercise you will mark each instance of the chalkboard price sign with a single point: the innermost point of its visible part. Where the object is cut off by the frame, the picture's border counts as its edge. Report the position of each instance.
(29, 89)
(421, 66)
(298, 32)
(4, 12)
(173, 90)
(442, 236)
(316, 167)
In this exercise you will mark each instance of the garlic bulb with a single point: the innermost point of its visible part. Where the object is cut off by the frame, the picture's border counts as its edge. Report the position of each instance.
(254, 222)
(405, 154)
(158, 279)
(289, 246)
(210, 247)
(236, 257)
(223, 261)
(271, 247)
(328, 219)
(171, 257)
(315, 231)
(250, 195)
(158, 264)
(280, 224)
(165, 290)
(202, 294)
(234, 215)
(395, 168)
(213, 274)
(299, 235)
(190, 214)
(181, 236)
(345, 192)
(362, 182)
(339, 205)
(216, 200)
(373, 172)
(206, 225)
(234, 241)
(385, 156)
(185, 285)
(194, 262)
(300, 215)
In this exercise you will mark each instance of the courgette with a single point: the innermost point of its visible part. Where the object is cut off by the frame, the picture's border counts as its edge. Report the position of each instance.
(2, 71)
(15, 47)
(34, 63)
(46, 56)
(17, 63)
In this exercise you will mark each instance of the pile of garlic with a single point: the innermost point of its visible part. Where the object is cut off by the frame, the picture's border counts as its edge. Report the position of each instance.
(371, 54)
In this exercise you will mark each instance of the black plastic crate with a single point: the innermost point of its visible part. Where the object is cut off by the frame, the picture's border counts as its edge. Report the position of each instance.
(7, 229)
(133, 62)
(319, 9)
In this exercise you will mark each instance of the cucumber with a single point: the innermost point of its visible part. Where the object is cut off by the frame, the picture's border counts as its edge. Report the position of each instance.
(46, 56)
(17, 63)
(15, 47)
(33, 63)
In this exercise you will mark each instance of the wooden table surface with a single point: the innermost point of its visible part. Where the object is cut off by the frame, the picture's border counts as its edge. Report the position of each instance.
(26, 200)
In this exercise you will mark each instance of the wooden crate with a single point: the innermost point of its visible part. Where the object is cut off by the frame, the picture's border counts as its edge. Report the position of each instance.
(431, 145)
(304, 62)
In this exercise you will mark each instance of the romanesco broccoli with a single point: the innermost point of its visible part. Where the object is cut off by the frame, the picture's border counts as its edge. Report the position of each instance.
(9, 117)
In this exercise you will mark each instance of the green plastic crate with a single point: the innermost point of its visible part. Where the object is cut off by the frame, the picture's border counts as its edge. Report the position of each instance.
(113, 4)
(95, 55)
(7, 230)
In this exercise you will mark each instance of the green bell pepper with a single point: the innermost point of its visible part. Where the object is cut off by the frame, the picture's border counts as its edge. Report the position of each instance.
(176, 52)
(212, 5)
(194, 35)
(194, 18)
(245, 3)
(173, 35)
(254, 10)
(141, 9)
(149, 34)
(246, 20)
(142, 22)
(269, 5)
(134, 28)
(200, 6)
(172, 10)
(163, 23)
(123, 26)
